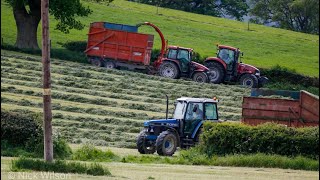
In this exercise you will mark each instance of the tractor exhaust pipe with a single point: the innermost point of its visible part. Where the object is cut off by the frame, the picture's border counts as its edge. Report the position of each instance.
(167, 107)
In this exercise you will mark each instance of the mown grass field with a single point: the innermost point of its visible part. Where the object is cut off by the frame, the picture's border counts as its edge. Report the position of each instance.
(106, 107)
(263, 46)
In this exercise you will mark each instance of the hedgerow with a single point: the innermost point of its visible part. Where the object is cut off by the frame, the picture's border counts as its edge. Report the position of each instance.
(234, 138)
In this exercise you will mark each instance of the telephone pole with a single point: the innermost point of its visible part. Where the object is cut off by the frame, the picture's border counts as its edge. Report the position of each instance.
(47, 114)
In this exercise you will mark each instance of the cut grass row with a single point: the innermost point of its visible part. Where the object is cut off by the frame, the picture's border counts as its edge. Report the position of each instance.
(90, 99)
(212, 89)
(127, 78)
(27, 100)
(106, 107)
(223, 93)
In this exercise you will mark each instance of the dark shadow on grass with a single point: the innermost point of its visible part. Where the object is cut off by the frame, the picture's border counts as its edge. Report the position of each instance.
(63, 54)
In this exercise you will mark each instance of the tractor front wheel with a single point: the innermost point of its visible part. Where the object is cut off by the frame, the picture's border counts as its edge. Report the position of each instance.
(200, 77)
(249, 80)
(166, 143)
(144, 147)
(169, 70)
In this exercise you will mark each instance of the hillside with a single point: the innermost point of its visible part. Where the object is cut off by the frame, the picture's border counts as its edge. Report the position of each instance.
(263, 46)
(107, 107)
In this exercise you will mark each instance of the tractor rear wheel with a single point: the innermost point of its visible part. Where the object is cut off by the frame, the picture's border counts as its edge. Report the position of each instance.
(216, 72)
(166, 143)
(144, 147)
(96, 62)
(200, 77)
(169, 70)
(249, 80)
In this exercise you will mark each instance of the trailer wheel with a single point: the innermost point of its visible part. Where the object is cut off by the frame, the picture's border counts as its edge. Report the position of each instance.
(249, 80)
(169, 70)
(200, 77)
(216, 72)
(109, 65)
(166, 143)
(96, 62)
(144, 147)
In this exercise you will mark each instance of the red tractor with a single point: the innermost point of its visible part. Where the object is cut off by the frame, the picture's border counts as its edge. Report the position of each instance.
(175, 62)
(227, 67)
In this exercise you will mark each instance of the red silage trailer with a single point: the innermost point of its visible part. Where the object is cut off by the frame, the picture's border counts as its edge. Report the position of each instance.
(113, 45)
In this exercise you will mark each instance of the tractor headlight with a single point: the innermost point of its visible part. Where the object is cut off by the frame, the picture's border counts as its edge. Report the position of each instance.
(146, 124)
(257, 73)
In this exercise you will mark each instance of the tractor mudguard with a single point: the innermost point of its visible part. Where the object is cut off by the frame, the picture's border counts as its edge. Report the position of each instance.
(196, 130)
(215, 59)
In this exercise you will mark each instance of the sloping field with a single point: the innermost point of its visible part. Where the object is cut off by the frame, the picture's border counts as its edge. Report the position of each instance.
(107, 107)
(262, 46)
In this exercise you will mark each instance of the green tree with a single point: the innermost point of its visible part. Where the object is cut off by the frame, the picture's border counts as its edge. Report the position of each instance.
(296, 15)
(218, 8)
(27, 15)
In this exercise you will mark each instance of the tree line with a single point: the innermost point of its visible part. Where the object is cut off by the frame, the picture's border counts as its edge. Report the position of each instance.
(295, 15)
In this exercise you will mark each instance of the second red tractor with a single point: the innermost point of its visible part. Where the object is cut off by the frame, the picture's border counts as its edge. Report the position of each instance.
(227, 67)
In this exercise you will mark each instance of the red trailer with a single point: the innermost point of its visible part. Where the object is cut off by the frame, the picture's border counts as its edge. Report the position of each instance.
(118, 45)
(300, 112)
(112, 45)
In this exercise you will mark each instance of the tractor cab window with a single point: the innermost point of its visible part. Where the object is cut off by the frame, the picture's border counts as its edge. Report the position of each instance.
(172, 54)
(194, 115)
(226, 55)
(211, 111)
(184, 58)
(179, 110)
(183, 54)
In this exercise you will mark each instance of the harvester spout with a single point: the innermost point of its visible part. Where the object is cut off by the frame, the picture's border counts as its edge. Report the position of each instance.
(163, 41)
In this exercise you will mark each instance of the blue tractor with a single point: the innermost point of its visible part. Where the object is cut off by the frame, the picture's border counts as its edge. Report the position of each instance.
(183, 130)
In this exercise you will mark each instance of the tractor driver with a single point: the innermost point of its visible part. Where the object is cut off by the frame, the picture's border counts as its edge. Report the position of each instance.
(194, 115)
(184, 57)
(227, 56)
(197, 112)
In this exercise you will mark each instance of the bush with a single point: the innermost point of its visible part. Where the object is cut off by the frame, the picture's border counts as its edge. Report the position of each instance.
(59, 166)
(19, 127)
(89, 153)
(269, 138)
(22, 134)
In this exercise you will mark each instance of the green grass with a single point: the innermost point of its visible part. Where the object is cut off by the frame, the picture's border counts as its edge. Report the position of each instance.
(263, 46)
(254, 160)
(89, 153)
(59, 166)
(194, 157)
(163, 171)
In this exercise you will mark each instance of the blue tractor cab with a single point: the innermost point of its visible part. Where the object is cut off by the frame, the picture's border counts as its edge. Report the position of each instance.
(183, 130)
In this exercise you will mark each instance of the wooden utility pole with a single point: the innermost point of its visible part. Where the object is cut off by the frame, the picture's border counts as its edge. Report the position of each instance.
(47, 114)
